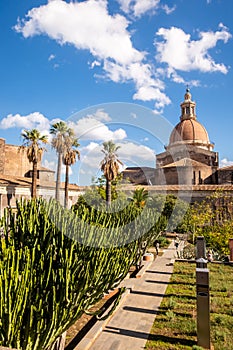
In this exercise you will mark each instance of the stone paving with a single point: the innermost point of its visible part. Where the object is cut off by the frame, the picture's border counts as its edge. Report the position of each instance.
(130, 326)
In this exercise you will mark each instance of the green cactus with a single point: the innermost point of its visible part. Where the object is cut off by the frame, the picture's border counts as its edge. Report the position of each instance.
(47, 279)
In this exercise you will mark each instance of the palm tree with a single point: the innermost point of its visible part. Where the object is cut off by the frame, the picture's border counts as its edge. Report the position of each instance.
(60, 131)
(32, 141)
(69, 158)
(110, 166)
(140, 197)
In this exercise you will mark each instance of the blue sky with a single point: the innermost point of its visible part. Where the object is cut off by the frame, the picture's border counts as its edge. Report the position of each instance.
(115, 70)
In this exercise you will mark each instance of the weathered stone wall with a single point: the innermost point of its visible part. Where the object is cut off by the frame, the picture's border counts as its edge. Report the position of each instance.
(225, 176)
(198, 154)
(2, 155)
(16, 161)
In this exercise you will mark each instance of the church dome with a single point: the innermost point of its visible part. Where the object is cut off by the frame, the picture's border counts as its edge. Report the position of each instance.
(189, 131)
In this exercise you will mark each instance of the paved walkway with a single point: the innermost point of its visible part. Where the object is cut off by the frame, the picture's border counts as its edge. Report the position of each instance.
(130, 326)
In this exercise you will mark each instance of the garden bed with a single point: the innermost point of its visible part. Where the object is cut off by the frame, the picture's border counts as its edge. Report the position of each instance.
(81, 327)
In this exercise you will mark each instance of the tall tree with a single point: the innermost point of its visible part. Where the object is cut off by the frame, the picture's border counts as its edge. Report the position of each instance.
(32, 141)
(110, 166)
(69, 158)
(60, 131)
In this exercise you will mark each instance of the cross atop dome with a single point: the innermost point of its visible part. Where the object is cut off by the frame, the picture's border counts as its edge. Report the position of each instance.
(187, 95)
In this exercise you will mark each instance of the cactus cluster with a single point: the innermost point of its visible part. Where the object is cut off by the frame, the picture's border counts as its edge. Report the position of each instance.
(54, 265)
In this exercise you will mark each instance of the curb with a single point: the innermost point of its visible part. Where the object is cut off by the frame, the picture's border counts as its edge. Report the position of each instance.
(145, 266)
(95, 331)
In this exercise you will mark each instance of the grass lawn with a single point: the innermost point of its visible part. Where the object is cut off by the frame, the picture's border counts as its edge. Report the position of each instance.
(175, 324)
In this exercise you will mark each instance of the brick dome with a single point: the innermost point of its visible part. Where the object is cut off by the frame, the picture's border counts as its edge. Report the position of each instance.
(189, 130)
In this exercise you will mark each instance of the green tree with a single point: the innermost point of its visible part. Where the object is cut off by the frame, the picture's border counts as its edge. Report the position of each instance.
(211, 218)
(69, 158)
(60, 132)
(110, 166)
(32, 141)
(140, 197)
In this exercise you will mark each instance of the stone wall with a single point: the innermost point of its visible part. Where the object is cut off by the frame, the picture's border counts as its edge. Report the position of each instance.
(16, 161)
(198, 154)
(225, 176)
(2, 155)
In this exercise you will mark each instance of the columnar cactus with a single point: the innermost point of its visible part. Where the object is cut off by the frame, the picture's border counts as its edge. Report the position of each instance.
(47, 279)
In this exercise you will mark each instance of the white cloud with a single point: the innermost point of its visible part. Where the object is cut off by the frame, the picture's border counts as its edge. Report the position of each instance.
(143, 6)
(171, 74)
(168, 9)
(34, 120)
(181, 53)
(147, 87)
(49, 164)
(94, 64)
(87, 25)
(128, 152)
(90, 147)
(125, 5)
(51, 57)
(138, 7)
(91, 127)
(148, 93)
(52, 165)
(225, 162)
(100, 115)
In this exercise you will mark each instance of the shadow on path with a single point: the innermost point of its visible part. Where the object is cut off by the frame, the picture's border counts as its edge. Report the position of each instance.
(171, 340)
(139, 309)
(159, 272)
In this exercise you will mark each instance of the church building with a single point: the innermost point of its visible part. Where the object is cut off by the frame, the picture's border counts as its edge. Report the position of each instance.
(189, 162)
(189, 158)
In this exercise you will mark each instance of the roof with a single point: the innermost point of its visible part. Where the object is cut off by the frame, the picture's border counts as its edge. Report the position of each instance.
(138, 168)
(184, 162)
(10, 180)
(41, 168)
(15, 180)
(189, 130)
(229, 167)
(166, 188)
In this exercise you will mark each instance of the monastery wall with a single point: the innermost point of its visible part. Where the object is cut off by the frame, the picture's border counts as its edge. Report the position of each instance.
(16, 161)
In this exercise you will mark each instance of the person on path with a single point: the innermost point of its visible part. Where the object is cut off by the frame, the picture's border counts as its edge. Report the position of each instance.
(156, 244)
(176, 242)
